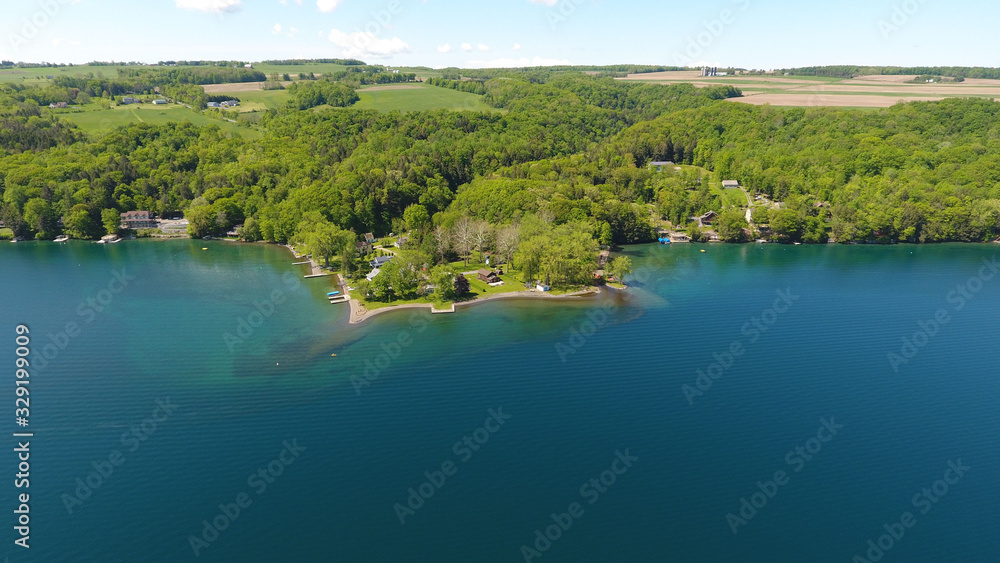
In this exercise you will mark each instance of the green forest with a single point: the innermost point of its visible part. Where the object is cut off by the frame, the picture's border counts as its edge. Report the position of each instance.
(561, 169)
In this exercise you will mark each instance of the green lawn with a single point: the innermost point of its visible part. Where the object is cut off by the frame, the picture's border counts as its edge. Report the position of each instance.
(95, 121)
(419, 97)
(259, 100)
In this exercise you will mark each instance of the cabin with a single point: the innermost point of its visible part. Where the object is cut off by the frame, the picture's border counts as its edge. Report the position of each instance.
(488, 276)
(707, 218)
(730, 184)
(235, 231)
(138, 220)
(380, 261)
(659, 165)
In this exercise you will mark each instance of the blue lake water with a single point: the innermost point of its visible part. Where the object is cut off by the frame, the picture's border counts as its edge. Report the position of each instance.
(237, 346)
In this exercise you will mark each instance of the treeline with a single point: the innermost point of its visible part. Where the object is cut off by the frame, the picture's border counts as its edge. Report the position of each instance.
(848, 71)
(365, 75)
(296, 62)
(570, 153)
(179, 75)
(470, 86)
(305, 95)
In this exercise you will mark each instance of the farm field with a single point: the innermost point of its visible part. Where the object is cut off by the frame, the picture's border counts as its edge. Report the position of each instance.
(97, 121)
(818, 91)
(418, 97)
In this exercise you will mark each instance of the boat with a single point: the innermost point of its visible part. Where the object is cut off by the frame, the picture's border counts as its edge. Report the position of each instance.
(115, 241)
(17, 239)
(664, 240)
(61, 238)
(333, 293)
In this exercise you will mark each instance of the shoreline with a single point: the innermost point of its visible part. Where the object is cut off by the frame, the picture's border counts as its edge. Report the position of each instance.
(359, 314)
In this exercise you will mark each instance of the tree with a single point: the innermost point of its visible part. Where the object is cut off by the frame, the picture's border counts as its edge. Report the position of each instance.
(786, 224)
(482, 233)
(606, 238)
(620, 267)
(462, 287)
(443, 279)
(417, 218)
(79, 222)
(41, 218)
(508, 239)
(731, 224)
(464, 237)
(112, 220)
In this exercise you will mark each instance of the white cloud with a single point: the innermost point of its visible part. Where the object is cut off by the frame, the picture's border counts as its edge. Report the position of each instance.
(363, 44)
(328, 5)
(466, 47)
(517, 46)
(516, 63)
(446, 48)
(276, 28)
(545, 2)
(212, 6)
(292, 31)
(482, 47)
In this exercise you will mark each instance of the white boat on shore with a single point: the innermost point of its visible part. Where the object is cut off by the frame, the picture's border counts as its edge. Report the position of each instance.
(61, 238)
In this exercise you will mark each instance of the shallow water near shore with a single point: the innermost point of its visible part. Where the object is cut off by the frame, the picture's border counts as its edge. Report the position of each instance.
(241, 344)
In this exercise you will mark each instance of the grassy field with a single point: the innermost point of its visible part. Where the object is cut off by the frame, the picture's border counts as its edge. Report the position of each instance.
(294, 70)
(95, 121)
(418, 97)
(821, 91)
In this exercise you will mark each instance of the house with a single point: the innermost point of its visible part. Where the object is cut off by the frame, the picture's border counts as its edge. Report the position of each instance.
(364, 248)
(380, 261)
(138, 220)
(230, 103)
(159, 102)
(369, 238)
(707, 218)
(730, 184)
(58, 105)
(248, 65)
(130, 100)
(235, 231)
(488, 276)
(213, 104)
(372, 275)
(402, 240)
(660, 164)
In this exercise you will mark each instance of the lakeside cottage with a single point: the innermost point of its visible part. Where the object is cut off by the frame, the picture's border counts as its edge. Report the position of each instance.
(488, 276)
(138, 220)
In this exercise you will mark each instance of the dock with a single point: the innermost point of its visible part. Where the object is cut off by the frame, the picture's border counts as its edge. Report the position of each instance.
(301, 263)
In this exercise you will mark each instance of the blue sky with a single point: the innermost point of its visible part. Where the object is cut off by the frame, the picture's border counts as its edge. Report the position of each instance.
(475, 33)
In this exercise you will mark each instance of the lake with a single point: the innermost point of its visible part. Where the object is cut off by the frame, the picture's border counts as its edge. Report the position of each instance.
(746, 403)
